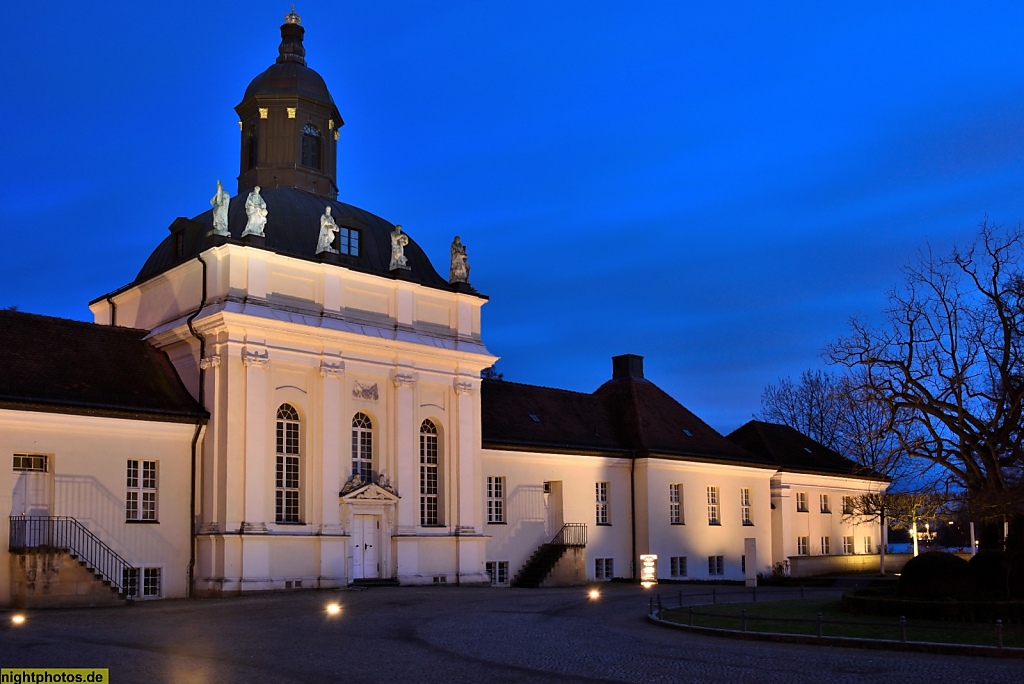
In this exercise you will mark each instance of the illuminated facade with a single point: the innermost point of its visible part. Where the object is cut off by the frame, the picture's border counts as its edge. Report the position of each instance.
(327, 423)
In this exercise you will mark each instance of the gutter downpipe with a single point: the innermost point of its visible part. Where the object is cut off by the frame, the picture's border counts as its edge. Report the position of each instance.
(632, 513)
(195, 437)
(113, 310)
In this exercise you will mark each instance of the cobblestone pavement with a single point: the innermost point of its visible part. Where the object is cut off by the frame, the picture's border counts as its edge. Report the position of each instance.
(442, 634)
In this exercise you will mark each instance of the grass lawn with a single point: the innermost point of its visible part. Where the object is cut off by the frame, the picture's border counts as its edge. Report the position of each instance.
(800, 617)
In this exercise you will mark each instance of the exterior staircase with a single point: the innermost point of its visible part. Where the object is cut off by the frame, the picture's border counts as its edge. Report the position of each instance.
(545, 558)
(96, 574)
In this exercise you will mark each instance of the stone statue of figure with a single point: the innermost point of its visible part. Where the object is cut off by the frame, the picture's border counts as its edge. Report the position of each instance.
(398, 243)
(459, 272)
(256, 210)
(328, 229)
(220, 203)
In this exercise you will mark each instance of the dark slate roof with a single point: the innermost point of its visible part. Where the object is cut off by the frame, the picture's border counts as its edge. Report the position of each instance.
(625, 417)
(58, 365)
(293, 229)
(526, 416)
(795, 452)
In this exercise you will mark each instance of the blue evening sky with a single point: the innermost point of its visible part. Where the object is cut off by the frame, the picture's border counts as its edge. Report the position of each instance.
(715, 186)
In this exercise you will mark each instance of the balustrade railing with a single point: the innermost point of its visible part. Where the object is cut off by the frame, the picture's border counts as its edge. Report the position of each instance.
(67, 534)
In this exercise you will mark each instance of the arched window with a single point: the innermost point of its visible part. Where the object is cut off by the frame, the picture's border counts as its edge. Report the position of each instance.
(311, 146)
(429, 472)
(250, 149)
(286, 493)
(362, 447)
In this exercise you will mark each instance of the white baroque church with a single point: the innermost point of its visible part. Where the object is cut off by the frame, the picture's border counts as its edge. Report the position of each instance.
(289, 396)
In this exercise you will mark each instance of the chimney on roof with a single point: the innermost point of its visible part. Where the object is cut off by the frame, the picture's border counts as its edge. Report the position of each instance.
(627, 367)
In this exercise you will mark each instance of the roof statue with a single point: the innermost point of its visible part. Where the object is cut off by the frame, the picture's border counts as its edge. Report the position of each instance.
(328, 229)
(220, 203)
(398, 243)
(459, 272)
(256, 210)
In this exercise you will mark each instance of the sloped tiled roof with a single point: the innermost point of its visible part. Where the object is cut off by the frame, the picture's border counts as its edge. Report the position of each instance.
(59, 365)
(793, 451)
(627, 416)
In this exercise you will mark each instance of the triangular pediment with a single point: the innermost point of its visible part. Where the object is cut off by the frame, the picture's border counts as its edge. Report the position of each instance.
(370, 492)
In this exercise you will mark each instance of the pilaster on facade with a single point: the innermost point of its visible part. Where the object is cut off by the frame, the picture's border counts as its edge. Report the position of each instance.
(331, 445)
(404, 432)
(256, 361)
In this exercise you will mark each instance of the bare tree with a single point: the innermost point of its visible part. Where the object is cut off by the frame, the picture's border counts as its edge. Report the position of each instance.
(810, 405)
(836, 411)
(947, 363)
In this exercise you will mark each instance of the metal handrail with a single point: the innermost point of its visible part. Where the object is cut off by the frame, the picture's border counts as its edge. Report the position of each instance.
(571, 534)
(63, 532)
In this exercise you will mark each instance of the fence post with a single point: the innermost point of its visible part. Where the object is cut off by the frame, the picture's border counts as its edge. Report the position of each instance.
(650, 605)
(714, 596)
(691, 615)
(819, 624)
(743, 613)
(659, 606)
(999, 633)
(903, 629)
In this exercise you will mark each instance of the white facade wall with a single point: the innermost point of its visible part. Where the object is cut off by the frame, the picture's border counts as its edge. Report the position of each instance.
(329, 342)
(533, 517)
(695, 538)
(86, 479)
(791, 524)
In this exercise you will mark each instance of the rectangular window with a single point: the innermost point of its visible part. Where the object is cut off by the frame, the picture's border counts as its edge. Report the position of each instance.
(30, 462)
(496, 500)
(601, 503)
(716, 565)
(675, 504)
(678, 566)
(847, 505)
(151, 583)
(713, 518)
(498, 572)
(825, 508)
(140, 498)
(348, 241)
(604, 568)
(745, 506)
(826, 546)
(802, 546)
(287, 484)
(848, 545)
(868, 548)
(801, 502)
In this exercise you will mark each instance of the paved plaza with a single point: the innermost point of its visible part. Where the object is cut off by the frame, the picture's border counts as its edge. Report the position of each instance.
(442, 634)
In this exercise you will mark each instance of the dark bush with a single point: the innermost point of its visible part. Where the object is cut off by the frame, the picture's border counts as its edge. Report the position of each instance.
(990, 574)
(935, 575)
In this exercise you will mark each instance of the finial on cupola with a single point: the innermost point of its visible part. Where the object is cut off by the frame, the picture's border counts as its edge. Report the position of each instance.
(292, 17)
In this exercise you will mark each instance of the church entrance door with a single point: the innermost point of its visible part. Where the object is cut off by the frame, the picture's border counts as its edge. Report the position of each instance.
(365, 541)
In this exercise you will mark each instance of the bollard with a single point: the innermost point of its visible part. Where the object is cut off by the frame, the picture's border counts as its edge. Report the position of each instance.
(714, 596)
(659, 606)
(903, 629)
(680, 598)
(819, 624)
(691, 615)
(999, 633)
(801, 591)
(650, 605)
(743, 613)
(754, 590)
